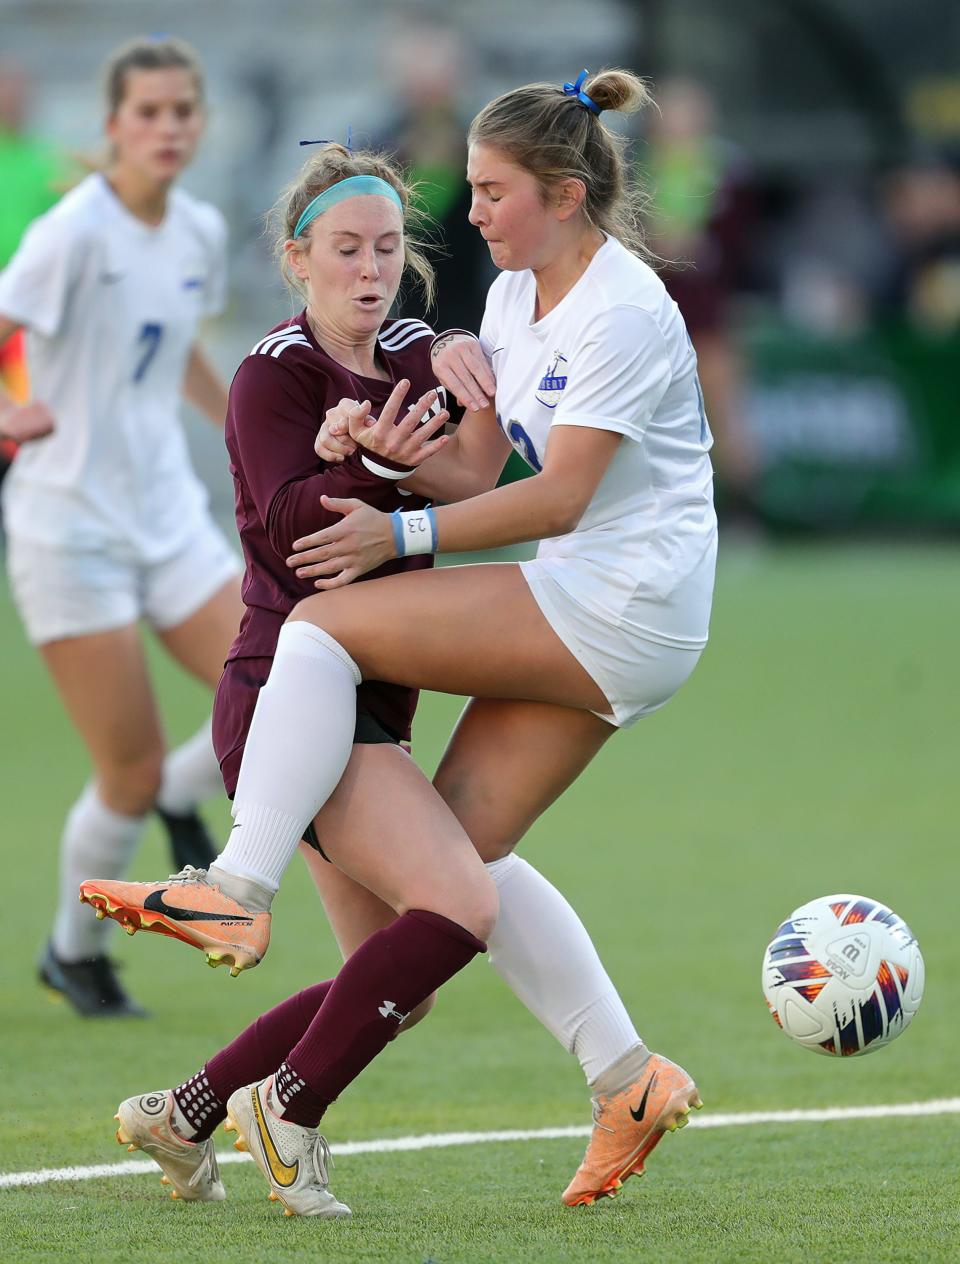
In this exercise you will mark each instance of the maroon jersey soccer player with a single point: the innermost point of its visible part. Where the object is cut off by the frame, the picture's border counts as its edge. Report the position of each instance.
(407, 892)
(280, 395)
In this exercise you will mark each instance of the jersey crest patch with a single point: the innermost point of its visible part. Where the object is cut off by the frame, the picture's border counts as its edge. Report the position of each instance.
(553, 383)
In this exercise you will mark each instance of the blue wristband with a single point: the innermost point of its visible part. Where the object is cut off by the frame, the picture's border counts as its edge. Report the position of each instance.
(396, 522)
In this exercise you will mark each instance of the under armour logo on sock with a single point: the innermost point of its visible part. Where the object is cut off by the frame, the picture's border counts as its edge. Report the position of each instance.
(389, 1010)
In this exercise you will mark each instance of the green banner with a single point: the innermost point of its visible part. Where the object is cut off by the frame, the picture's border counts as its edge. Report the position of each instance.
(856, 432)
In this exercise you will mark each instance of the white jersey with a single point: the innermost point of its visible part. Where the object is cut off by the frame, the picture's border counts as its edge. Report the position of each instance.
(111, 307)
(614, 354)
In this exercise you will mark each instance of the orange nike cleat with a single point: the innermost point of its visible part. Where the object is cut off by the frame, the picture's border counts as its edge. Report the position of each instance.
(189, 907)
(627, 1126)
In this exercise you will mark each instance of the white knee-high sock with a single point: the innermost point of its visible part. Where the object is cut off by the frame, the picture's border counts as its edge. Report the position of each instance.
(191, 774)
(299, 743)
(542, 951)
(96, 843)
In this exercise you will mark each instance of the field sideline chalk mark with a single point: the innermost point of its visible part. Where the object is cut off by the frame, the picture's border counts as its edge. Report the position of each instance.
(441, 1140)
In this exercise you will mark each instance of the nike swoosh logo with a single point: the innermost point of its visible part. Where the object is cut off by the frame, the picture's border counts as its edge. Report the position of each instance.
(283, 1173)
(641, 1109)
(157, 904)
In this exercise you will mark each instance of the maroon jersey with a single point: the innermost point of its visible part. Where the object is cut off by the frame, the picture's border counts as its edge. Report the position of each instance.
(278, 400)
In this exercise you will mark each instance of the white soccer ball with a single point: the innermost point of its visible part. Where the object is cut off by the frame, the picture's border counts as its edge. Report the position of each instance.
(843, 975)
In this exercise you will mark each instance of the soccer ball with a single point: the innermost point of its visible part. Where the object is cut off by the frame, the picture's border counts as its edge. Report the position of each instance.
(843, 975)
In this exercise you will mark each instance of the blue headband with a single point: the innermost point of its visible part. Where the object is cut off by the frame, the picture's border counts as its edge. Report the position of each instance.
(353, 186)
(575, 90)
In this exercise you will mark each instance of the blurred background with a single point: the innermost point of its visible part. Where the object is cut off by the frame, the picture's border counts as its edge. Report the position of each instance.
(804, 171)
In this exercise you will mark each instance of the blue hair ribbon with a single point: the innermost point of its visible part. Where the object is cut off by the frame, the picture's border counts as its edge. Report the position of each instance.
(576, 90)
(353, 186)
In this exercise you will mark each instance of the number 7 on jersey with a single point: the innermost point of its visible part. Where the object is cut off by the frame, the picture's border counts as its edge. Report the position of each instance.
(148, 342)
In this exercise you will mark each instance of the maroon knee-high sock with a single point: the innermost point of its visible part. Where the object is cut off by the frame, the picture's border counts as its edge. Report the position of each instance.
(247, 1059)
(388, 976)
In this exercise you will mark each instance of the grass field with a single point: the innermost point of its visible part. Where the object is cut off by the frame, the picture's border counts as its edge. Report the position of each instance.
(814, 751)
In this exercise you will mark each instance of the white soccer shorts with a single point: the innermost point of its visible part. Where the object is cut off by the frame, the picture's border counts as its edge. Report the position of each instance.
(77, 592)
(637, 675)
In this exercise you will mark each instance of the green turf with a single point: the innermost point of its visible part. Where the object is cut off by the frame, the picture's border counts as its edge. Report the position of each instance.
(813, 751)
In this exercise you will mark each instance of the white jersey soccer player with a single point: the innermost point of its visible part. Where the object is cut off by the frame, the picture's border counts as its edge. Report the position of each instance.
(111, 307)
(639, 566)
(106, 521)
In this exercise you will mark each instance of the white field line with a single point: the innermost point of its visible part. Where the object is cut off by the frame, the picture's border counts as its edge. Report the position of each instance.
(441, 1140)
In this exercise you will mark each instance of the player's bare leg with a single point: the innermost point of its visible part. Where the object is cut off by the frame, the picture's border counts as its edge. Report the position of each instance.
(175, 1126)
(414, 854)
(105, 686)
(477, 630)
(121, 726)
(355, 914)
(401, 843)
(507, 761)
(103, 682)
(505, 764)
(191, 773)
(353, 911)
(479, 633)
(201, 642)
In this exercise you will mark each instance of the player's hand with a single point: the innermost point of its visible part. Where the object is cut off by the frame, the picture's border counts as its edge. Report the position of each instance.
(408, 441)
(361, 541)
(23, 422)
(333, 442)
(460, 365)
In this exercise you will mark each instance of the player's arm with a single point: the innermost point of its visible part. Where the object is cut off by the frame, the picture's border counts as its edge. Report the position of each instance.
(20, 422)
(549, 503)
(475, 458)
(203, 386)
(625, 370)
(272, 427)
(470, 464)
(35, 289)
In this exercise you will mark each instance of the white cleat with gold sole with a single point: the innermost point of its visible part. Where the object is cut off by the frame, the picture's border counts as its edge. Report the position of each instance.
(189, 1167)
(294, 1159)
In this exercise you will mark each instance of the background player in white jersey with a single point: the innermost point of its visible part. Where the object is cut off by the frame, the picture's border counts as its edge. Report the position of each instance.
(600, 395)
(106, 521)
